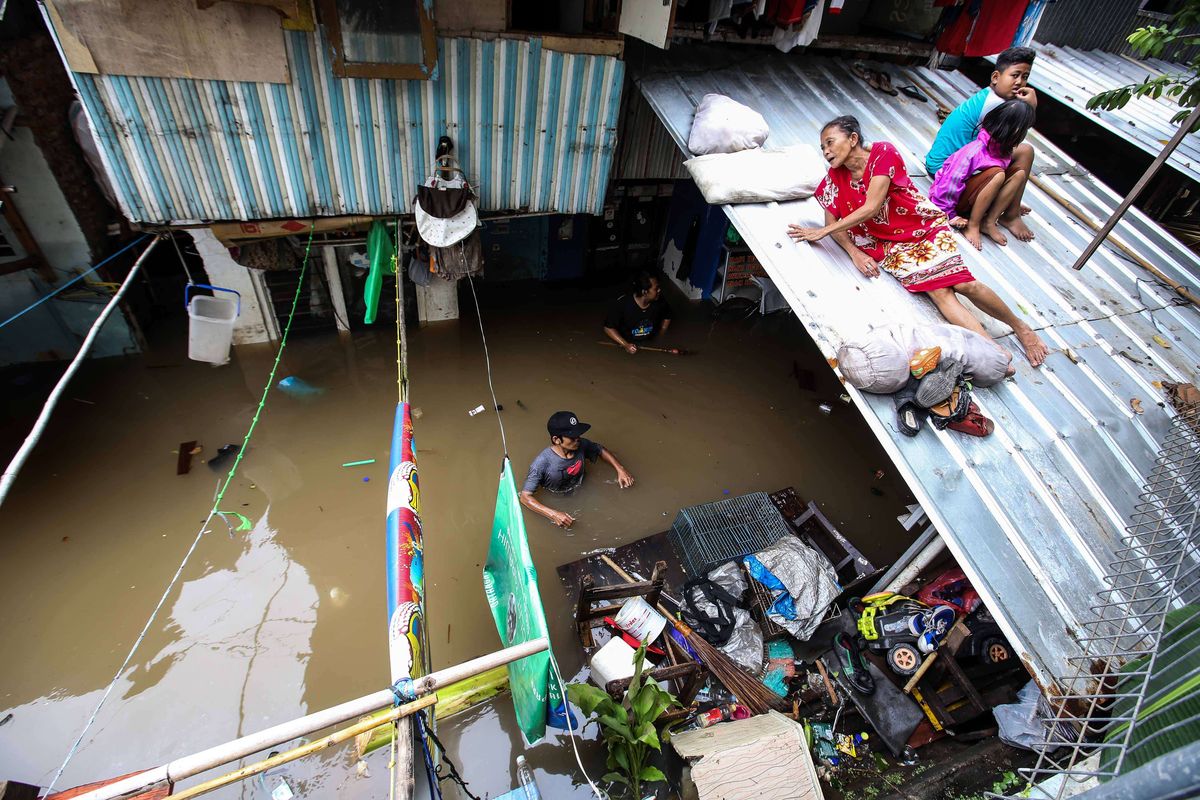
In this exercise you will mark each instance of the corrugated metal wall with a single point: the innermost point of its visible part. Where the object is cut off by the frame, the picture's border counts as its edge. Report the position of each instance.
(645, 150)
(534, 129)
(1100, 25)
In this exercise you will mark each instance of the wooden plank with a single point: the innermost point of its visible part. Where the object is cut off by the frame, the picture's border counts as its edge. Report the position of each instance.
(151, 794)
(173, 39)
(184, 463)
(585, 45)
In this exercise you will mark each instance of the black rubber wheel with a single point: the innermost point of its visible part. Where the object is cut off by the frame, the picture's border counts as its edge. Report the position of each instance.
(994, 650)
(904, 659)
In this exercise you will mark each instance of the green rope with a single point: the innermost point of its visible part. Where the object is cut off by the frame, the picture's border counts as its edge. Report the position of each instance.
(270, 378)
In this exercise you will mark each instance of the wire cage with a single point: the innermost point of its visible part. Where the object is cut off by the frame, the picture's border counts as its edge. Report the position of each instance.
(1134, 693)
(710, 534)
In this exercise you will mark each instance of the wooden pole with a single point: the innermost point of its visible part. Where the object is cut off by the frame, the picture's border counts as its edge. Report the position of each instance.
(307, 750)
(1115, 240)
(1104, 230)
(188, 766)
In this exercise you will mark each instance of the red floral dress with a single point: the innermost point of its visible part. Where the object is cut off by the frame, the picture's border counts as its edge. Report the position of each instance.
(910, 237)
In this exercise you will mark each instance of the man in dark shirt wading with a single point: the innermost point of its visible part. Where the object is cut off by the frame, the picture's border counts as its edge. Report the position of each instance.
(639, 315)
(560, 467)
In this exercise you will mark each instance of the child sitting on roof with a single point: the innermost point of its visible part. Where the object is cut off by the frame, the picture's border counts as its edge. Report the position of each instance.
(977, 184)
(1009, 82)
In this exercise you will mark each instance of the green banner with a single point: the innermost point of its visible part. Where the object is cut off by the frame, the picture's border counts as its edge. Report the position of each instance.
(510, 582)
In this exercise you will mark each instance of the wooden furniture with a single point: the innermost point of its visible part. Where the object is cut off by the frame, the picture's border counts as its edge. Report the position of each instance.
(595, 603)
(811, 525)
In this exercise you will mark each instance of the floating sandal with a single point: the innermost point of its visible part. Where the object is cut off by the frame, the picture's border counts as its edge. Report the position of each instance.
(910, 417)
(938, 383)
(853, 667)
(924, 360)
(974, 424)
(913, 92)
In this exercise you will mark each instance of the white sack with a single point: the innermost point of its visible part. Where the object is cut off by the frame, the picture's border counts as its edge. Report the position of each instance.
(723, 125)
(758, 176)
(878, 362)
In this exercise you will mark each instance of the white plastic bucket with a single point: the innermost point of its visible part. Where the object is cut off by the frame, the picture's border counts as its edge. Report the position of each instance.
(639, 620)
(210, 328)
(613, 662)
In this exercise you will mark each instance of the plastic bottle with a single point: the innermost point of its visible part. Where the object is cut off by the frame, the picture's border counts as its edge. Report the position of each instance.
(526, 780)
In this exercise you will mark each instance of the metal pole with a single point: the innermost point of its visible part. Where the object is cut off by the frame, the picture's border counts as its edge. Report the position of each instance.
(39, 427)
(188, 766)
(1151, 171)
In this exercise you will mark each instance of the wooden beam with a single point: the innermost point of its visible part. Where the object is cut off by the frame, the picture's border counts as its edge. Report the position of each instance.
(32, 250)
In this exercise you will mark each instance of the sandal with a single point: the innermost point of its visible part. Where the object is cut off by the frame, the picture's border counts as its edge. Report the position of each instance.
(924, 360)
(910, 417)
(854, 669)
(974, 424)
(883, 82)
(937, 384)
(954, 409)
(913, 92)
(860, 71)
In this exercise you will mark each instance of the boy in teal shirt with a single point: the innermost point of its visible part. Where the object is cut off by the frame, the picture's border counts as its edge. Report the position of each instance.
(1009, 80)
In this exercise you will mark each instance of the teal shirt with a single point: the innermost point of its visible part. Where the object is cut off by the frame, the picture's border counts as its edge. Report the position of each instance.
(960, 128)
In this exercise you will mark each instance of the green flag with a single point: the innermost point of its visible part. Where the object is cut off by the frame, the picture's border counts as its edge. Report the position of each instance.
(510, 582)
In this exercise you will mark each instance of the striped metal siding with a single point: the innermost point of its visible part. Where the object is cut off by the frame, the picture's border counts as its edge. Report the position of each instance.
(646, 150)
(1100, 25)
(533, 128)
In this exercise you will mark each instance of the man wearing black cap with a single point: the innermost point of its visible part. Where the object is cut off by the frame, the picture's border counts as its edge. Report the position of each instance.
(560, 466)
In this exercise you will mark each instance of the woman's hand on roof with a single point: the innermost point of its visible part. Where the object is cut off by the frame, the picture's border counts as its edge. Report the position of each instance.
(799, 233)
(865, 264)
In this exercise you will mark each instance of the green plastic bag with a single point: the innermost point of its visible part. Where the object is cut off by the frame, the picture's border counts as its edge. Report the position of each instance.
(510, 583)
(382, 254)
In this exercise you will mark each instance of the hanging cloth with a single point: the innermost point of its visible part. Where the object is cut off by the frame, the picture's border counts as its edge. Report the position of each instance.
(460, 259)
(995, 27)
(445, 207)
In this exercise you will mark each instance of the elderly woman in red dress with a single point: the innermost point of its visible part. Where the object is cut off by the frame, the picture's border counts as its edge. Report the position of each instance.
(880, 219)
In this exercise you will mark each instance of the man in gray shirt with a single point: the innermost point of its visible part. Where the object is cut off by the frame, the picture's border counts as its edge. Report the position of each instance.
(560, 467)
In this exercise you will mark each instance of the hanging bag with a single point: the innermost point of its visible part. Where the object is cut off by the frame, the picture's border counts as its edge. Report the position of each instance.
(445, 207)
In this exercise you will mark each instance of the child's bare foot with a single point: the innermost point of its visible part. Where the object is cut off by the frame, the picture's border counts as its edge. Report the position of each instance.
(974, 237)
(1035, 349)
(995, 234)
(1018, 227)
(958, 222)
(1025, 210)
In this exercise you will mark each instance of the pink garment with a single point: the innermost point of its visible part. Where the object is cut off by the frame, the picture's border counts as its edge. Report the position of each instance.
(969, 159)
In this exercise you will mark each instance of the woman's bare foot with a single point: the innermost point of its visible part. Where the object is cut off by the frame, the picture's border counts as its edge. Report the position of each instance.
(958, 222)
(974, 236)
(995, 234)
(1025, 210)
(1035, 349)
(1018, 227)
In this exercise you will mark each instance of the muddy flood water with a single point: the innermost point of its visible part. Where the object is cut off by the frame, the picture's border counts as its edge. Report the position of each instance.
(289, 617)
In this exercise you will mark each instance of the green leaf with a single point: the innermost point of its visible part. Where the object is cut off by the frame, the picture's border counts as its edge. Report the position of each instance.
(648, 736)
(589, 698)
(651, 774)
(643, 702)
(615, 777)
(621, 753)
(618, 725)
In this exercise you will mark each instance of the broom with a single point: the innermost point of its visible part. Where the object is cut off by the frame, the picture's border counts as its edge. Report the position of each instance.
(748, 689)
(674, 351)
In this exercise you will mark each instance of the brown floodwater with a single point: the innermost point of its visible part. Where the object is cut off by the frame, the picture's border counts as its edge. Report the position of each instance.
(289, 617)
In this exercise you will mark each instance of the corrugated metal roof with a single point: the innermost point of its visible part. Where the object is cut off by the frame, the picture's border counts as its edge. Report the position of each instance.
(535, 129)
(1033, 511)
(1074, 76)
(645, 151)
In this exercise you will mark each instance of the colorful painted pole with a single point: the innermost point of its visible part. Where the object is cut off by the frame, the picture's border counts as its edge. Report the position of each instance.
(405, 580)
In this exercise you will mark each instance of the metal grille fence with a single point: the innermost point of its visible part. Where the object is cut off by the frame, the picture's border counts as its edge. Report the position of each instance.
(1134, 694)
(713, 533)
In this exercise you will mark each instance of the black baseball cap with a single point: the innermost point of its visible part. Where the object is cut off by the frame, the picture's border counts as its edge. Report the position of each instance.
(565, 423)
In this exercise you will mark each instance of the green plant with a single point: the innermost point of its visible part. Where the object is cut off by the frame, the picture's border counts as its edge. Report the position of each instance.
(1152, 41)
(627, 727)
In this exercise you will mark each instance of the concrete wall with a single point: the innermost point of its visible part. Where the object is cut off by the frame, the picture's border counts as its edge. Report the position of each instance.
(54, 330)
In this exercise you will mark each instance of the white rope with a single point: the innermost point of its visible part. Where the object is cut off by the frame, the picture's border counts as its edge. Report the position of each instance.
(488, 361)
(571, 728)
(39, 427)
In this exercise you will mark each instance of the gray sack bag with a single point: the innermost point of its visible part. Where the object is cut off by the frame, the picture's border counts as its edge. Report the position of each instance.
(878, 361)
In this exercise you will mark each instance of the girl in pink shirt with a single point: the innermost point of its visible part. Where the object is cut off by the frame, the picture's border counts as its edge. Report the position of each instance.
(978, 183)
